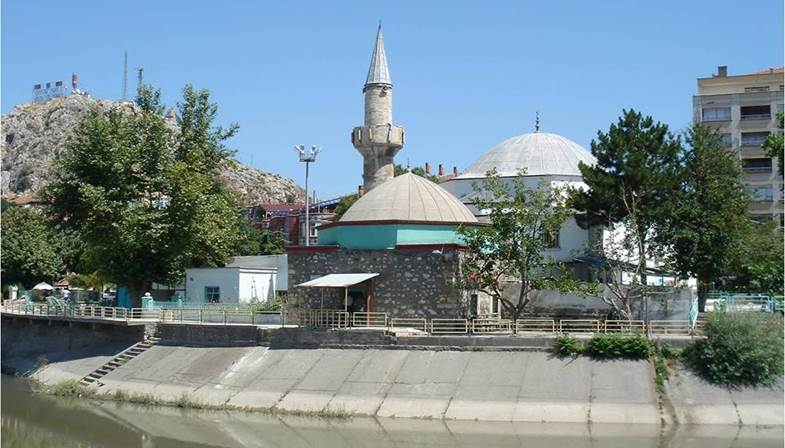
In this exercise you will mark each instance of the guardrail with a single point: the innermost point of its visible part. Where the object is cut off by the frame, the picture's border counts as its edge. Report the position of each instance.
(332, 318)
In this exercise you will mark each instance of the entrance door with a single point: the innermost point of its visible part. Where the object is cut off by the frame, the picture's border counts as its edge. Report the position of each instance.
(357, 299)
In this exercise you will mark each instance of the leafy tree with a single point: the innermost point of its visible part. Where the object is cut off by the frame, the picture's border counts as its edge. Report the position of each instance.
(145, 195)
(256, 241)
(757, 265)
(30, 247)
(419, 171)
(511, 248)
(774, 143)
(635, 173)
(344, 205)
(705, 220)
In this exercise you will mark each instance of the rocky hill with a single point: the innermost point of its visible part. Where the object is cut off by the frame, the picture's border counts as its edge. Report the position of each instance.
(35, 135)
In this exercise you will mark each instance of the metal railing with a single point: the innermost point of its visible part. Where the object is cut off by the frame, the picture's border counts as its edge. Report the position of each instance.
(331, 318)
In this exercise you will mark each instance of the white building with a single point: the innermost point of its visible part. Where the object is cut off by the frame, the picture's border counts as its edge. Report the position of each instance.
(242, 280)
(548, 159)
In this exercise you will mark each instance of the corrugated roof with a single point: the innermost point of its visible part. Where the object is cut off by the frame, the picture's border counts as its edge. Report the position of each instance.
(378, 72)
(409, 197)
(338, 280)
(769, 71)
(540, 153)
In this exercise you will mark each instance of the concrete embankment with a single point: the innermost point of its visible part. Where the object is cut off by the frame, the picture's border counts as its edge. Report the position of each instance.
(268, 369)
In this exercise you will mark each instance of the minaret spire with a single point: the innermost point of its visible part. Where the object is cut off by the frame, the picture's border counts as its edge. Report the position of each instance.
(537, 122)
(378, 140)
(379, 72)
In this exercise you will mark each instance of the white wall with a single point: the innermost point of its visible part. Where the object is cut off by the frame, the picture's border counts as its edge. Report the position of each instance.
(279, 262)
(225, 278)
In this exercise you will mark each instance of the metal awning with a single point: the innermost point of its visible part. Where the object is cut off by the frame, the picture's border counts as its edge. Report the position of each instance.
(338, 280)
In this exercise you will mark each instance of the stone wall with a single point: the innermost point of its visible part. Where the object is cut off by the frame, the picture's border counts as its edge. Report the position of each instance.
(412, 282)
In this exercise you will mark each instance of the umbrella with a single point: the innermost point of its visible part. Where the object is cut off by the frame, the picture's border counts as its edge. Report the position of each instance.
(43, 287)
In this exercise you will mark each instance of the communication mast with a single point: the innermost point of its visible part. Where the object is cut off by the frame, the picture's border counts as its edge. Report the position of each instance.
(139, 76)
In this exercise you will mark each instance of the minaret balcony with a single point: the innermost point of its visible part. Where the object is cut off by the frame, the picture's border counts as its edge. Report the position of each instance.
(389, 136)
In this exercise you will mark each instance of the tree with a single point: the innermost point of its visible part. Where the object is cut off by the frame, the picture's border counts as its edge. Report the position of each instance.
(419, 171)
(30, 247)
(256, 241)
(635, 174)
(758, 263)
(705, 220)
(511, 248)
(775, 143)
(145, 195)
(345, 204)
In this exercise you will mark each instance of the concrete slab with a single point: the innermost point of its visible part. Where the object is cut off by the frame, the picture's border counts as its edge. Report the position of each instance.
(417, 400)
(263, 394)
(549, 379)
(484, 402)
(759, 406)
(508, 368)
(696, 402)
(563, 411)
(378, 366)
(362, 398)
(330, 371)
(305, 400)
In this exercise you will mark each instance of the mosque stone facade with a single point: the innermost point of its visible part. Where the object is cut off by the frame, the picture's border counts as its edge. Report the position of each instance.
(412, 282)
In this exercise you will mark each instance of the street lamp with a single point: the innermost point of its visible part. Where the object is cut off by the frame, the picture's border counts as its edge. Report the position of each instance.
(307, 156)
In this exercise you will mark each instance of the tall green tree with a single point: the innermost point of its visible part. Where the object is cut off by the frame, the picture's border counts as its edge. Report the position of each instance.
(419, 171)
(774, 145)
(758, 264)
(705, 220)
(30, 247)
(635, 174)
(511, 248)
(256, 241)
(145, 194)
(345, 204)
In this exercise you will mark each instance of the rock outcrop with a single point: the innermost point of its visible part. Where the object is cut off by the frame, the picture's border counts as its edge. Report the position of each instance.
(35, 135)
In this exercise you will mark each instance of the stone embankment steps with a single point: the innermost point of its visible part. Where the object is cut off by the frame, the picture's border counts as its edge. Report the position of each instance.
(116, 362)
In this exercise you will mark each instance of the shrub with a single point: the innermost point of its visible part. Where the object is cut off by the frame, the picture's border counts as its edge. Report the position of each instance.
(567, 345)
(614, 345)
(739, 349)
(668, 352)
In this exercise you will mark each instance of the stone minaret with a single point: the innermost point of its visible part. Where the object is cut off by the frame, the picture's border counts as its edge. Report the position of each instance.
(379, 140)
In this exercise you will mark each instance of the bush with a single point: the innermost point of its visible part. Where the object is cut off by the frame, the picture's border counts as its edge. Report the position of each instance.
(739, 349)
(567, 345)
(614, 345)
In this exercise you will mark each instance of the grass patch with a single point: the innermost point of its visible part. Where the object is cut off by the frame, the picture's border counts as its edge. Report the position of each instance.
(65, 388)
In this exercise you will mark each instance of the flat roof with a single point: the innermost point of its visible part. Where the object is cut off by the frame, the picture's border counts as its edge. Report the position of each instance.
(338, 280)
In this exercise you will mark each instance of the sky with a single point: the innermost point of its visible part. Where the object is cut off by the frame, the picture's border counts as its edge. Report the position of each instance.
(466, 74)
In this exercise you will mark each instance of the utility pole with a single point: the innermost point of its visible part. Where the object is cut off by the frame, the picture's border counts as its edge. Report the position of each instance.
(307, 156)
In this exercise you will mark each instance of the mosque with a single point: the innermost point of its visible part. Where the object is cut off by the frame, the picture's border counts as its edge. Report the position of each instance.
(396, 250)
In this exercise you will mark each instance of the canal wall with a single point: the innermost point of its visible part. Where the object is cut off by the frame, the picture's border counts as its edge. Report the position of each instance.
(29, 341)
(527, 386)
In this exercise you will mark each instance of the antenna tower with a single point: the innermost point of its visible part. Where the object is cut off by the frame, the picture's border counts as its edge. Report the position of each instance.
(139, 76)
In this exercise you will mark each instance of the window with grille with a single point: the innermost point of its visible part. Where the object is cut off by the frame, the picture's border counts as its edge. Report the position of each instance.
(212, 294)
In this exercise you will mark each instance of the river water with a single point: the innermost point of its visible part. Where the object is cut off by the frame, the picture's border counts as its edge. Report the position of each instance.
(31, 421)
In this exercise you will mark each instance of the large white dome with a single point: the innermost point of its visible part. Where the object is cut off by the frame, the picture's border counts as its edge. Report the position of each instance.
(408, 197)
(539, 153)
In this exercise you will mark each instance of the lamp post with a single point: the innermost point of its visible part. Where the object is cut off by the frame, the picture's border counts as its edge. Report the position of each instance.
(307, 156)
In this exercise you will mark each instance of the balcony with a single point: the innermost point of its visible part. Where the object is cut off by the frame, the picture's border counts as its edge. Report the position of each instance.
(756, 112)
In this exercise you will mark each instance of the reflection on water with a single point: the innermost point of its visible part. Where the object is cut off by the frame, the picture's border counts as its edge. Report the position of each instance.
(33, 421)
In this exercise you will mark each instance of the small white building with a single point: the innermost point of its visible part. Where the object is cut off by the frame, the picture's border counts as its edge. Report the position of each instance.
(242, 280)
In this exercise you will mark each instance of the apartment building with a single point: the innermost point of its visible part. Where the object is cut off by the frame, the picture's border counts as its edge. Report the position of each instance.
(743, 108)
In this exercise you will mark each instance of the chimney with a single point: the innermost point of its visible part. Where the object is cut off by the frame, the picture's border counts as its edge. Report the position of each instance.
(427, 168)
(455, 171)
(360, 191)
(74, 80)
(722, 71)
(441, 169)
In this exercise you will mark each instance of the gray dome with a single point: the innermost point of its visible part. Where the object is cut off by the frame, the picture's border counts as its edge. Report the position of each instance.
(409, 198)
(539, 152)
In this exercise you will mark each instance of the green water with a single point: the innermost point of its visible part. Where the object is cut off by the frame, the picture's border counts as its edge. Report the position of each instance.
(31, 421)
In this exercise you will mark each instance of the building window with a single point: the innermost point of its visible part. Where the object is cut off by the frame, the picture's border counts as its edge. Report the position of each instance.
(761, 218)
(552, 240)
(753, 138)
(727, 140)
(756, 112)
(756, 89)
(212, 294)
(473, 311)
(756, 165)
(761, 193)
(716, 114)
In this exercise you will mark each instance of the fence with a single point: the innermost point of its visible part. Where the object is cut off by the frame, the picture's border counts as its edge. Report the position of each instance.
(333, 318)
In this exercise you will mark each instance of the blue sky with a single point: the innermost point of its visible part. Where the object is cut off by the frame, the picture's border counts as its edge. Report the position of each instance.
(466, 75)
